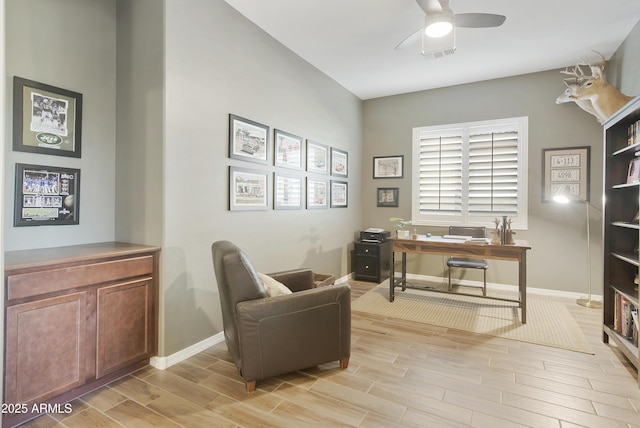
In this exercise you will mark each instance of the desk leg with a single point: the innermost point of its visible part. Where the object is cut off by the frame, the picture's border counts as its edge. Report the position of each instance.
(404, 271)
(522, 282)
(392, 277)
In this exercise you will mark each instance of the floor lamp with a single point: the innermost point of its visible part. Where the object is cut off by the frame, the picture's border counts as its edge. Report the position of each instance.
(564, 196)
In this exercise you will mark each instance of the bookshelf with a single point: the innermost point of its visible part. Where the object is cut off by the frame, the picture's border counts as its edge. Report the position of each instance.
(621, 229)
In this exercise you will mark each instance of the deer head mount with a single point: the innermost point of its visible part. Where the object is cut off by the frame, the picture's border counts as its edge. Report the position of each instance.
(592, 92)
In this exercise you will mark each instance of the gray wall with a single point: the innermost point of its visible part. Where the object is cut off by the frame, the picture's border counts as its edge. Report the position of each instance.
(557, 234)
(78, 56)
(216, 63)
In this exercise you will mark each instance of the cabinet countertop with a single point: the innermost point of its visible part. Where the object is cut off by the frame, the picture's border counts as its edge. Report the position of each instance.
(23, 259)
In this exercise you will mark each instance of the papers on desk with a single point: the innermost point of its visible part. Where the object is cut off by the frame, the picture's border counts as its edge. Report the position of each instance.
(468, 239)
(374, 230)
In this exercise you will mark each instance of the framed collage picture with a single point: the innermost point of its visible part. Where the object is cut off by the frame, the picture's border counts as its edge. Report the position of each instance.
(46, 195)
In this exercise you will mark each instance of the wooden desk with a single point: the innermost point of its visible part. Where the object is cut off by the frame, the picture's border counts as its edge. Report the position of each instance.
(459, 248)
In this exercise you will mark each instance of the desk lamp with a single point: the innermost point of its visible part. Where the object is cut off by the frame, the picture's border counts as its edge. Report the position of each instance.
(564, 196)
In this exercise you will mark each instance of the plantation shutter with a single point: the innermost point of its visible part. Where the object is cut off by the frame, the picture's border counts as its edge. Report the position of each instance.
(493, 173)
(440, 164)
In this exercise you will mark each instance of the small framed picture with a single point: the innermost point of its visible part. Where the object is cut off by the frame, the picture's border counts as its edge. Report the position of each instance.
(317, 193)
(387, 197)
(317, 158)
(249, 189)
(46, 119)
(46, 196)
(388, 167)
(633, 175)
(289, 150)
(248, 140)
(288, 192)
(339, 194)
(339, 163)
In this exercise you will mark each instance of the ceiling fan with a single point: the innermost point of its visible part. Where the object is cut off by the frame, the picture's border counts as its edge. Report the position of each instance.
(440, 20)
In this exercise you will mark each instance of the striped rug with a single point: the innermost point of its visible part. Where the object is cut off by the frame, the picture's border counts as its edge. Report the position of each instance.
(549, 322)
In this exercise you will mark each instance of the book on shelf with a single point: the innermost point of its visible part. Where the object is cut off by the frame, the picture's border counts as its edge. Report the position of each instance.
(633, 173)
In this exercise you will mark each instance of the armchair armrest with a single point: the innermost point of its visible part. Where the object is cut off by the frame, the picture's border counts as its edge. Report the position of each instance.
(295, 331)
(296, 279)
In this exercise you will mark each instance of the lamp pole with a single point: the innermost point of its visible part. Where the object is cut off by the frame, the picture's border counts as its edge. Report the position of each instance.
(588, 302)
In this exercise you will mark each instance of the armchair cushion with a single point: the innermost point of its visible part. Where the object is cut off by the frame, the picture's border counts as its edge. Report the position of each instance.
(273, 287)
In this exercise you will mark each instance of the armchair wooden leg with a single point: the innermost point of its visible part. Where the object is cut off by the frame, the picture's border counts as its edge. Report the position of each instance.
(251, 386)
(344, 363)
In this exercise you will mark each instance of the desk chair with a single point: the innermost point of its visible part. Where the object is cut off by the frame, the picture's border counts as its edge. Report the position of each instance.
(459, 262)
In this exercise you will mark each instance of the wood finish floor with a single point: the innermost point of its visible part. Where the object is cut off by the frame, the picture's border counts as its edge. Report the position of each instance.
(400, 374)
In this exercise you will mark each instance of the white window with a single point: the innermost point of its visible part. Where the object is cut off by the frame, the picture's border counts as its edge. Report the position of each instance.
(470, 173)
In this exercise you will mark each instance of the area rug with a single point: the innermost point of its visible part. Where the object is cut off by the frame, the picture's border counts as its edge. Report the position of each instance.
(549, 323)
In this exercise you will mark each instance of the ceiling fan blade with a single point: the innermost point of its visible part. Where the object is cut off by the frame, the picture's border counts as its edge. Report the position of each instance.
(410, 39)
(478, 20)
(430, 6)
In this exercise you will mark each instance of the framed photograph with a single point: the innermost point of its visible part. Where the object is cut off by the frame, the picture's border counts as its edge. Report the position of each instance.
(339, 163)
(248, 140)
(46, 119)
(317, 158)
(568, 166)
(317, 194)
(249, 189)
(339, 194)
(387, 197)
(288, 192)
(46, 196)
(633, 175)
(289, 150)
(388, 167)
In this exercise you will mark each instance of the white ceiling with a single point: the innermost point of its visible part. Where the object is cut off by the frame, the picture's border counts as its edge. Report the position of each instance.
(353, 41)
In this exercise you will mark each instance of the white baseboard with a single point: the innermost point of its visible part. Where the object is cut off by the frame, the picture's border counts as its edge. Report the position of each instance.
(162, 363)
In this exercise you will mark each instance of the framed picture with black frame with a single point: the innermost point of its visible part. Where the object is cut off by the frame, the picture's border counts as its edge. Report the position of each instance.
(46, 119)
(387, 197)
(388, 167)
(46, 196)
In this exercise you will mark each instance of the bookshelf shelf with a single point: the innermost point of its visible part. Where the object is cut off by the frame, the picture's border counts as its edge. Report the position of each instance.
(620, 234)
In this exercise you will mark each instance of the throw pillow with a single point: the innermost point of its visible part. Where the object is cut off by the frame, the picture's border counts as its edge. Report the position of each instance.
(274, 288)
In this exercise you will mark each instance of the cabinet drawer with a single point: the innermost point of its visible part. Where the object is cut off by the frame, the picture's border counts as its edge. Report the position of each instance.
(367, 266)
(367, 249)
(49, 281)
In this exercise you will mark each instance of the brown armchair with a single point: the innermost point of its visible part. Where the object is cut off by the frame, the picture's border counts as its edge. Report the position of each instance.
(270, 336)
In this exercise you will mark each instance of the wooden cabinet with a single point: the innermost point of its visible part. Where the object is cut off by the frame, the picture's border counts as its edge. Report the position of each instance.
(77, 317)
(621, 230)
(372, 261)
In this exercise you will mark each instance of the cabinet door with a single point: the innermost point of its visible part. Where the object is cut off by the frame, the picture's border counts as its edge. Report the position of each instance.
(45, 348)
(126, 325)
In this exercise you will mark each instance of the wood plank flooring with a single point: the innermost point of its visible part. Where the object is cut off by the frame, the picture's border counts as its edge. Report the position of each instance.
(401, 374)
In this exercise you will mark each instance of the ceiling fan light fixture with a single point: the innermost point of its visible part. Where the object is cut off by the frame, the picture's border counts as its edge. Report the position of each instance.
(439, 25)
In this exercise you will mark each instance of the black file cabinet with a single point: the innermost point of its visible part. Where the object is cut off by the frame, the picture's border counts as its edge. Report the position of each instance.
(372, 261)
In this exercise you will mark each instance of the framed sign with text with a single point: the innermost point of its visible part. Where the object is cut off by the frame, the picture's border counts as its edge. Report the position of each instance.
(568, 166)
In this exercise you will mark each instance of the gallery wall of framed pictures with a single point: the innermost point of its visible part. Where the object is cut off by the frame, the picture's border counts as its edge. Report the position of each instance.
(306, 174)
(47, 120)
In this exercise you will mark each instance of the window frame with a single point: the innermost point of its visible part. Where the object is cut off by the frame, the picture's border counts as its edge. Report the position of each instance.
(520, 221)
